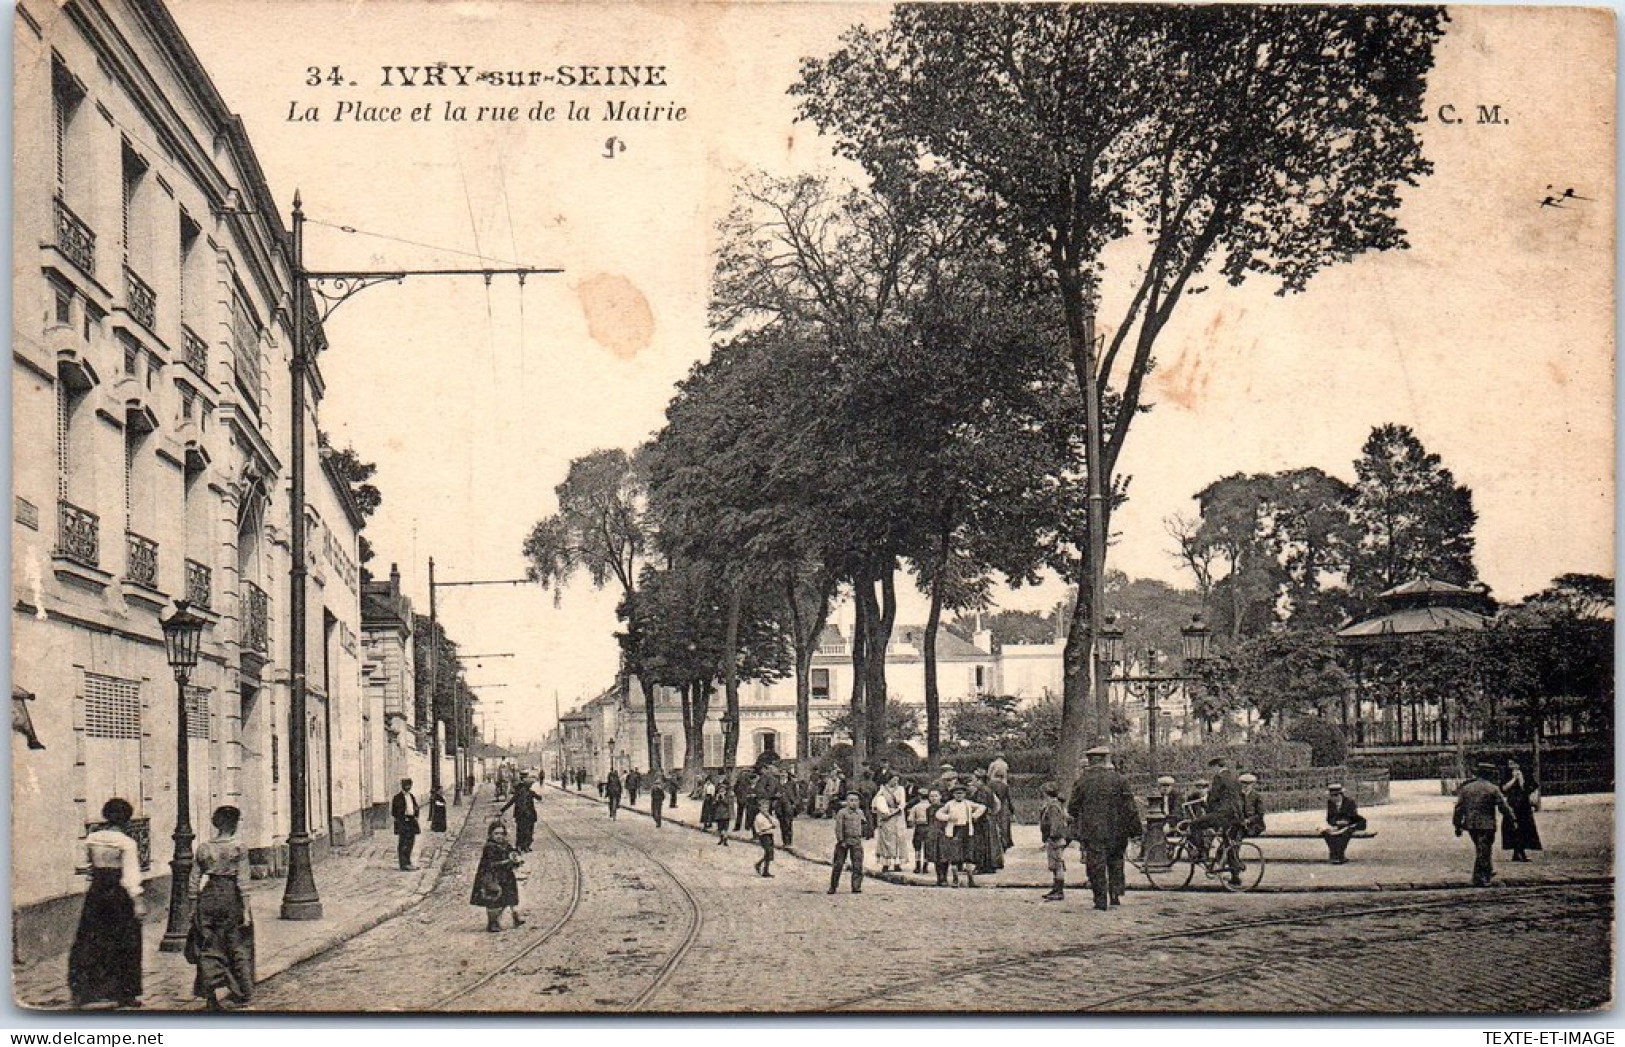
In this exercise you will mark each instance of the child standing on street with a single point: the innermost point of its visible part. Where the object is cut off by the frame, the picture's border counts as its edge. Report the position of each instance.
(919, 818)
(1052, 827)
(764, 827)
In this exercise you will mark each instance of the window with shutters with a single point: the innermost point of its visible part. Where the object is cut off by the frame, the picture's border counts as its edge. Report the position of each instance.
(199, 714)
(713, 750)
(112, 740)
(67, 98)
(820, 685)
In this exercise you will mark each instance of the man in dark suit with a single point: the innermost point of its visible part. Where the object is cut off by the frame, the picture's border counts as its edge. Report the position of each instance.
(1343, 820)
(1104, 819)
(1223, 807)
(1252, 806)
(1476, 804)
(404, 809)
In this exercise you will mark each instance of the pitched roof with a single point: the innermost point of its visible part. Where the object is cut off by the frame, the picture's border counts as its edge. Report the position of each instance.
(1411, 622)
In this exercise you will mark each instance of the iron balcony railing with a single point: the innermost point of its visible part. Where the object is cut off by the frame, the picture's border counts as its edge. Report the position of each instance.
(142, 563)
(197, 351)
(198, 585)
(256, 620)
(77, 534)
(74, 238)
(142, 299)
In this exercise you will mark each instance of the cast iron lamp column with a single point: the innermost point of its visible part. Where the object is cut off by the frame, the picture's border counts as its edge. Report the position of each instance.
(183, 631)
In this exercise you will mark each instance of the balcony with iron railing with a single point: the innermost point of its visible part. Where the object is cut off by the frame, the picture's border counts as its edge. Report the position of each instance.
(256, 620)
(75, 239)
(196, 352)
(199, 585)
(141, 299)
(141, 564)
(78, 533)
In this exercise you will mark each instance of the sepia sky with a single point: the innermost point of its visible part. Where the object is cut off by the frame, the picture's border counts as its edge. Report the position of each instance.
(1492, 337)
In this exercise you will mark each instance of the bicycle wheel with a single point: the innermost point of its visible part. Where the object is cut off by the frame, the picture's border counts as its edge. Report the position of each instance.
(1172, 874)
(1249, 863)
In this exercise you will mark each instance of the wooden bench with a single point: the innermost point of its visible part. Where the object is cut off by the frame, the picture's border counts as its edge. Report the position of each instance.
(1308, 834)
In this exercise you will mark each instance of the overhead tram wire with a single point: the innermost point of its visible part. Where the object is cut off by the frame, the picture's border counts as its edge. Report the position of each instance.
(513, 245)
(508, 263)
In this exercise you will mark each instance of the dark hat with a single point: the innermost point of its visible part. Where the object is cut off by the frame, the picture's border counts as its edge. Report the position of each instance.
(854, 796)
(1051, 789)
(1217, 761)
(961, 787)
(1486, 767)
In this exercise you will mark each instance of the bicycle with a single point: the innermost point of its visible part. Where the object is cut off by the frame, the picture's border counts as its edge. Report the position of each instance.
(1236, 863)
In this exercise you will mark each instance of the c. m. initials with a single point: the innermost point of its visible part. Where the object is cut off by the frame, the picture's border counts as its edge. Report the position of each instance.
(1486, 114)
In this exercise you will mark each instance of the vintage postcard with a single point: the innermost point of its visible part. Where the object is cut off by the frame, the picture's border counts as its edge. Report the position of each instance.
(543, 507)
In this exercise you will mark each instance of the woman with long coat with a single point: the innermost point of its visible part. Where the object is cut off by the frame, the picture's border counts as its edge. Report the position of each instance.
(987, 847)
(999, 784)
(105, 961)
(495, 886)
(1523, 794)
(221, 942)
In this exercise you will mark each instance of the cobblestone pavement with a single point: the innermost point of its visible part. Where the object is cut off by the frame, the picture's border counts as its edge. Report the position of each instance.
(624, 916)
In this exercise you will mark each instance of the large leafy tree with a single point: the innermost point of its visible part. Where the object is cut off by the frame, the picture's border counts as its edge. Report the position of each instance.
(600, 529)
(1414, 519)
(1242, 139)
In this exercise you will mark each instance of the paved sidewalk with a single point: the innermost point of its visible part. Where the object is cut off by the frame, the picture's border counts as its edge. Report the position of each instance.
(1414, 849)
(360, 887)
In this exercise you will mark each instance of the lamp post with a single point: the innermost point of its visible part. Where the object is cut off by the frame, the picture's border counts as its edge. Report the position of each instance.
(1194, 643)
(300, 900)
(729, 725)
(183, 631)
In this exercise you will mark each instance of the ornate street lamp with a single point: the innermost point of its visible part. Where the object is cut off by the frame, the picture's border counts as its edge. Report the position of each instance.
(183, 633)
(729, 724)
(1196, 639)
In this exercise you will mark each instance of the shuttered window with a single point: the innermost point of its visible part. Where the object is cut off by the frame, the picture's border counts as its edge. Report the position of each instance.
(112, 707)
(199, 713)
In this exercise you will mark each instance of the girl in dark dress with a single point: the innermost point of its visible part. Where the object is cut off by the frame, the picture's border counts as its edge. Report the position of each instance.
(1522, 795)
(221, 941)
(495, 887)
(105, 961)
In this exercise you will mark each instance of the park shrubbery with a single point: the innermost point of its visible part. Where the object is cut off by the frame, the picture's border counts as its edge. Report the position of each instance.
(1327, 745)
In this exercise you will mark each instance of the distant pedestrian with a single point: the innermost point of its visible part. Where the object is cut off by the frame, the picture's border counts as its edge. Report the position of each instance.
(1343, 820)
(632, 783)
(890, 810)
(722, 809)
(495, 886)
(104, 964)
(1523, 796)
(581, 778)
(1104, 819)
(958, 818)
(744, 800)
(785, 809)
(404, 810)
(708, 801)
(526, 793)
(221, 940)
(657, 798)
(1052, 829)
(1252, 806)
(673, 783)
(1476, 804)
(919, 819)
(764, 827)
(998, 782)
(849, 829)
(987, 845)
(612, 790)
(437, 810)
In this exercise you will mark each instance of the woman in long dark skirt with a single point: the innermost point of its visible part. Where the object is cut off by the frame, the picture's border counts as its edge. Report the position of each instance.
(495, 886)
(987, 844)
(221, 942)
(104, 964)
(1523, 794)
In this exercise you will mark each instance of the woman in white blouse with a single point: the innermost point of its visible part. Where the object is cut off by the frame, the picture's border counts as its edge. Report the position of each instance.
(105, 962)
(221, 942)
(958, 817)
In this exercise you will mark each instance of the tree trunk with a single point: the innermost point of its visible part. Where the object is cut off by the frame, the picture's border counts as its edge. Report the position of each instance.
(933, 697)
(882, 615)
(805, 630)
(730, 680)
(696, 702)
(860, 659)
(1077, 720)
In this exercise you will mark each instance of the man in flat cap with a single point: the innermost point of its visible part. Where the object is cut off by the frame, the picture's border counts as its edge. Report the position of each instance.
(1476, 804)
(1252, 806)
(1104, 819)
(1343, 820)
(1223, 808)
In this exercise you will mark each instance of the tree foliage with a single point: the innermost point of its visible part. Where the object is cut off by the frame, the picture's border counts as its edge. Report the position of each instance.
(1248, 140)
(1413, 519)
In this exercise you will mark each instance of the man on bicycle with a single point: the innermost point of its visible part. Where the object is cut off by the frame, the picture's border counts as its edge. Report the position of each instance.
(1224, 809)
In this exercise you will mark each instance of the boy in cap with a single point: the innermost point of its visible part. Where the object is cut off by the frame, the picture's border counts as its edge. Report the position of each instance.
(1343, 820)
(849, 826)
(1052, 829)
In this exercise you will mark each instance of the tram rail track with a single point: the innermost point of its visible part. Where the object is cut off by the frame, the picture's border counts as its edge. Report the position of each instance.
(873, 1001)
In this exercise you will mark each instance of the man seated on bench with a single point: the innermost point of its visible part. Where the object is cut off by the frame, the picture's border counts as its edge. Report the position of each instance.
(1252, 806)
(1343, 820)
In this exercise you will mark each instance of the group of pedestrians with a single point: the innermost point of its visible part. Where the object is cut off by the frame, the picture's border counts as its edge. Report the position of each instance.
(662, 791)
(1479, 801)
(104, 964)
